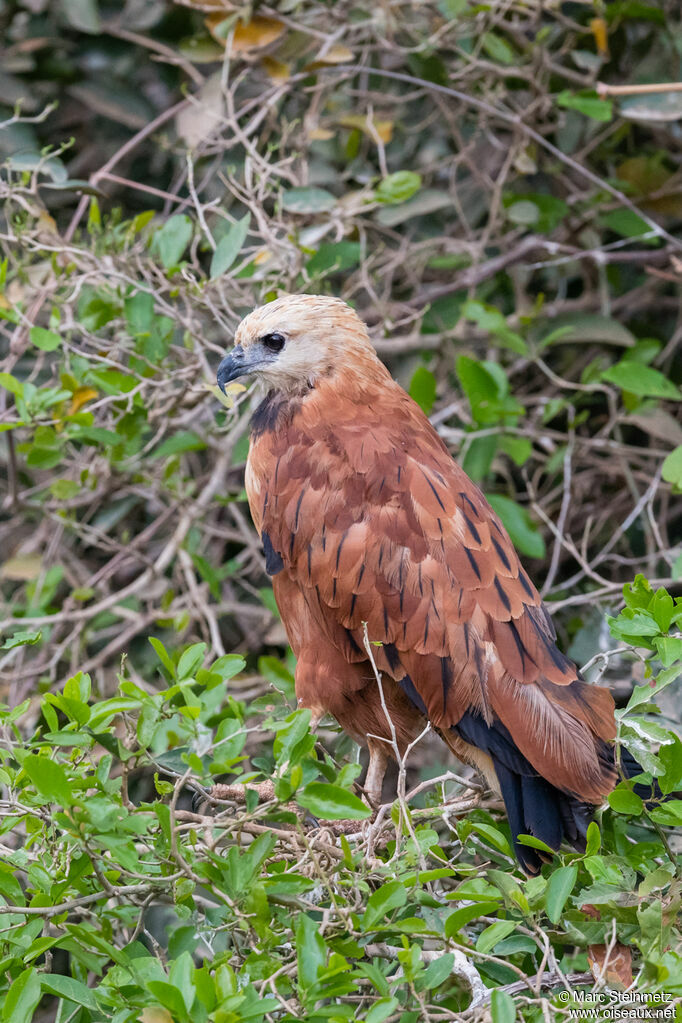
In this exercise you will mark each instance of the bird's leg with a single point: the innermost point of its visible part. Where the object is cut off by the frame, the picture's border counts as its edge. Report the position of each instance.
(376, 770)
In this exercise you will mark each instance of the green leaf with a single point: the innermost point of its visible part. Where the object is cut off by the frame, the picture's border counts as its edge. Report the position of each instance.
(290, 734)
(381, 1010)
(423, 388)
(22, 997)
(498, 48)
(641, 380)
(333, 257)
(669, 814)
(426, 200)
(170, 997)
(308, 199)
(535, 843)
(191, 659)
(21, 639)
(519, 524)
(487, 317)
(49, 778)
(548, 211)
(586, 328)
(399, 187)
(559, 888)
(139, 312)
(672, 468)
(654, 107)
(436, 973)
(519, 449)
(229, 247)
(586, 102)
(183, 440)
(624, 800)
(63, 490)
(331, 802)
(502, 1007)
(70, 989)
(171, 240)
(163, 656)
(523, 212)
(492, 835)
(487, 389)
(83, 15)
(488, 938)
(310, 950)
(46, 340)
(391, 895)
(465, 914)
(11, 384)
(627, 224)
(452, 8)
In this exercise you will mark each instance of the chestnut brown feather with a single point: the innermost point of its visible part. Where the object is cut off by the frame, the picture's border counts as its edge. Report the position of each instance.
(373, 522)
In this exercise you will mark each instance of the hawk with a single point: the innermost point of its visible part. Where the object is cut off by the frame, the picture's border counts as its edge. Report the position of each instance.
(370, 528)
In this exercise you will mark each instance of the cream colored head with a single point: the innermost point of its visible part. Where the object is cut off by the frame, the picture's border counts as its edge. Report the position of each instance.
(292, 342)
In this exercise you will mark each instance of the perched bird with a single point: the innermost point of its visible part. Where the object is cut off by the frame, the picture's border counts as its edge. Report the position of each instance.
(365, 518)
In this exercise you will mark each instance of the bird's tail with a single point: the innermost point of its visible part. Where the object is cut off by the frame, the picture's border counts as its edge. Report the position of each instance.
(534, 806)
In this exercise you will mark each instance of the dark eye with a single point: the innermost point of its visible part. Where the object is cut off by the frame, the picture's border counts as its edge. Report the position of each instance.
(274, 342)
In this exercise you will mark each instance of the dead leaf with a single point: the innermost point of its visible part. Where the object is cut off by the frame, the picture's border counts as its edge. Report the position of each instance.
(646, 176)
(197, 122)
(334, 55)
(599, 30)
(320, 134)
(231, 391)
(22, 568)
(262, 256)
(372, 128)
(616, 970)
(276, 69)
(81, 396)
(657, 423)
(256, 34)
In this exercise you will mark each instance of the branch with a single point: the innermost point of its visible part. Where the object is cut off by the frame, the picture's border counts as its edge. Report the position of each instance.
(637, 90)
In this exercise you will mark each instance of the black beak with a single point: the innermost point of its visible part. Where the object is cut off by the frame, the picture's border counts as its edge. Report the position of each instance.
(232, 366)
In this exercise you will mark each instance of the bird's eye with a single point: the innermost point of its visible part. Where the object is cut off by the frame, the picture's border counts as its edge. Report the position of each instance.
(275, 341)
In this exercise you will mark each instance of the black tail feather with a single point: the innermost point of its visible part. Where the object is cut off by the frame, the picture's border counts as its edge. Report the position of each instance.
(534, 807)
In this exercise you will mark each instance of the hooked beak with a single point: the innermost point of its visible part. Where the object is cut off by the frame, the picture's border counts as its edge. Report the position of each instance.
(233, 365)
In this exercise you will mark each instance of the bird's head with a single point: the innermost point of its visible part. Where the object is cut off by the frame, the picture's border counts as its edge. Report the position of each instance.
(292, 342)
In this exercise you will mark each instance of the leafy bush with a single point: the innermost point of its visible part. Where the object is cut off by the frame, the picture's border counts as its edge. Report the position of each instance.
(138, 901)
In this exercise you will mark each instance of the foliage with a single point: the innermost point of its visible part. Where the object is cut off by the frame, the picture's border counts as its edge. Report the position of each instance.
(510, 233)
(263, 912)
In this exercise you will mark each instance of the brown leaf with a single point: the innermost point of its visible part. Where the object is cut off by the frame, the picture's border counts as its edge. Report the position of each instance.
(372, 128)
(334, 55)
(276, 69)
(600, 32)
(617, 971)
(81, 396)
(256, 34)
(22, 568)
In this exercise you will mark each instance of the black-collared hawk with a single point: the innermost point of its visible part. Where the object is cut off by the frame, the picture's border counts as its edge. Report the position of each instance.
(366, 518)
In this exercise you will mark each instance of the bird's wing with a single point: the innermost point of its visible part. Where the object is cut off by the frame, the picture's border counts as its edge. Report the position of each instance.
(377, 524)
